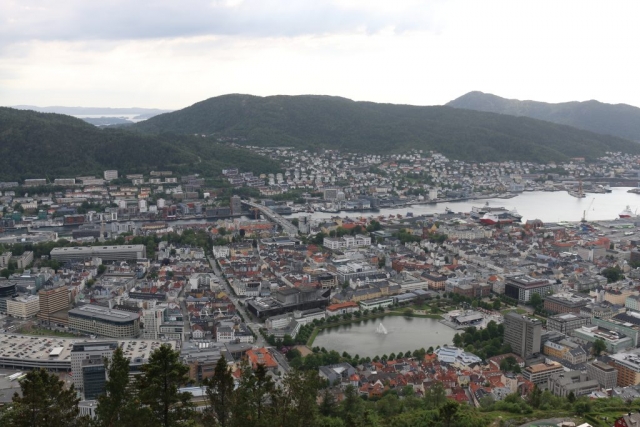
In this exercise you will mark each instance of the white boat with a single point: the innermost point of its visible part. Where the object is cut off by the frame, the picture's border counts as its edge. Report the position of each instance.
(626, 213)
(515, 215)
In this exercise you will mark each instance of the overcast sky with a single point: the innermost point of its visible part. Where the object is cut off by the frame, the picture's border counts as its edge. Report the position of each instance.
(171, 54)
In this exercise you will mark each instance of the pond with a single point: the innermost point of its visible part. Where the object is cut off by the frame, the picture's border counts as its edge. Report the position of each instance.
(403, 334)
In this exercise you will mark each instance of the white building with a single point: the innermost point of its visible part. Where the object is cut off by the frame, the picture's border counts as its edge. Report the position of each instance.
(454, 354)
(347, 242)
(111, 174)
(221, 251)
(24, 306)
(152, 319)
(88, 408)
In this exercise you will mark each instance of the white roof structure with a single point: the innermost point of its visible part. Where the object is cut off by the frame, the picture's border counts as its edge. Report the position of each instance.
(454, 354)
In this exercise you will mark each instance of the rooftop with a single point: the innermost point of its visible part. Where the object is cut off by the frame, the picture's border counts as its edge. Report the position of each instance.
(54, 348)
(104, 313)
(542, 367)
(90, 249)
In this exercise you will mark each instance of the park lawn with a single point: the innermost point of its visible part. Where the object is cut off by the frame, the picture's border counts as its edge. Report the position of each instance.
(47, 332)
(518, 419)
(517, 310)
(597, 419)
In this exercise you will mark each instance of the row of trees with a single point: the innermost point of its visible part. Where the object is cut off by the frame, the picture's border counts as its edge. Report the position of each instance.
(152, 399)
(257, 398)
(321, 357)
(484, 343)
(306, 331)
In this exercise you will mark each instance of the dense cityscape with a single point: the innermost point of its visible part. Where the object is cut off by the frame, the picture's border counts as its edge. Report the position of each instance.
(249, 213)
(488, 309)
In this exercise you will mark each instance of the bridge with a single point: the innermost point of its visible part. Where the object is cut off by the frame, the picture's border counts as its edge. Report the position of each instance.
(286, 226)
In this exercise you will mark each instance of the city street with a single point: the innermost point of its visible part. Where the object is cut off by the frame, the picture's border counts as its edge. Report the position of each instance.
(239, 304)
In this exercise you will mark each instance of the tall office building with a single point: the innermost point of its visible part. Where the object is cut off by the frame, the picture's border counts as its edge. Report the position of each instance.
(522, 287)
(87, 366)
(236, 205)
(523, 333)
(54, 299)
(152, 318)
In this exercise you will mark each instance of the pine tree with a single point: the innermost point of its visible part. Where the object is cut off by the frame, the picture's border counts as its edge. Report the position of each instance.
(117, 406)
(220, 392)
(251, 397)
(158, 385)
(328, 405)
(302, 388)
(44, 402)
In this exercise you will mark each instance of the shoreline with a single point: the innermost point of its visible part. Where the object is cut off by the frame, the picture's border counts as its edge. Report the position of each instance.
(318, 328)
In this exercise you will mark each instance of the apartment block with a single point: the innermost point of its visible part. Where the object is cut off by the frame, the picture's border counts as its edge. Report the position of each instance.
(54, 304)
(564, 383)
(110, 174)
(628, 366)
(565, 303)
(522, 287)
(606, 375)
(523, 333)
(4, 259)
(541, 372)
(23, 306)
(23, 261)
(566, 323)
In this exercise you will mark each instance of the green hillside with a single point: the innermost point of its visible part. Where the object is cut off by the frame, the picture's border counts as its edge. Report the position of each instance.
(38, 145)
(609, 119)
(331, 122)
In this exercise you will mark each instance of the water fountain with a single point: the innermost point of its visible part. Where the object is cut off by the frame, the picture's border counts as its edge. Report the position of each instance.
(381, 329)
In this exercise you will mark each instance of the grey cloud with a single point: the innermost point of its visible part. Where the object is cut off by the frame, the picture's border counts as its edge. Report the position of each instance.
(72, 20)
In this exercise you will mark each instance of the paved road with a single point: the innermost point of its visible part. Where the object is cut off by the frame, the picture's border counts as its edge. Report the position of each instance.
(259, 342)
(185, 313)
(288, 228)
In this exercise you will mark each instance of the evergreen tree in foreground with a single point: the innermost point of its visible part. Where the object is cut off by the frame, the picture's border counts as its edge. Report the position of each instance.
(220, 393)
(118, 406)
(158, 387)
(44, 402)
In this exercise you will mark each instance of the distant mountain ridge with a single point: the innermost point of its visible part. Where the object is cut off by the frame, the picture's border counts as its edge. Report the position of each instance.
(47, 145)
(619, 120)
(312, 122)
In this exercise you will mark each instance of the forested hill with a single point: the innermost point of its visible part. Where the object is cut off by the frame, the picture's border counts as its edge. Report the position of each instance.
(332, 122)
(39, 145)
(608, 119)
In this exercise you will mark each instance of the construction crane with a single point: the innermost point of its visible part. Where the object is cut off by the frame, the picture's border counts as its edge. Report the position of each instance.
(584, 213)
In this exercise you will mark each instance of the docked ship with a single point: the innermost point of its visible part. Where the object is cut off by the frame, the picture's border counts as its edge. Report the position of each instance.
(626, 213)
(492, 219)
(503, 214)
(579, 194)
(515, 215)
